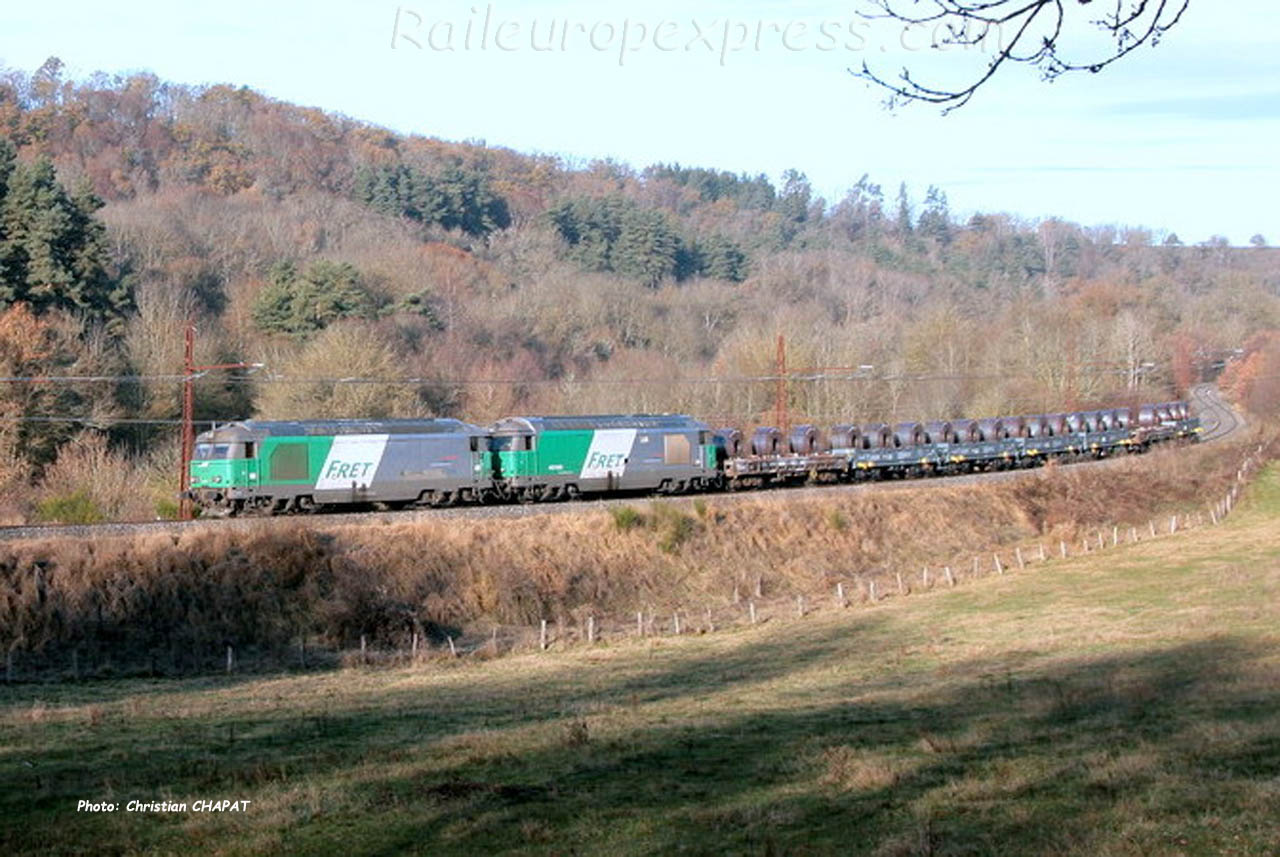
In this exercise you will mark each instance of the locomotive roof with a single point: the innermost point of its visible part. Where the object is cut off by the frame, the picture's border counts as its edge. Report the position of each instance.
(322, 428)
(598, 421)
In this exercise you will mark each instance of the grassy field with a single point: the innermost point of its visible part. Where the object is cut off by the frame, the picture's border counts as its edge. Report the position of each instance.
(1127, 702)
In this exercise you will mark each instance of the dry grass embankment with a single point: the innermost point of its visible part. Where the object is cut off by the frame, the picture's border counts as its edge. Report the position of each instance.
(162, 603)
(1123, 703)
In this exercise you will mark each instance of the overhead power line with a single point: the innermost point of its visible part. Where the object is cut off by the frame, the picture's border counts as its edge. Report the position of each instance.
(104, 422)
(801, 376)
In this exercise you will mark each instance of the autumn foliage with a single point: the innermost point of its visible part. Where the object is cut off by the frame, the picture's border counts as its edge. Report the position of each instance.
(480, 282)
(1254, 379)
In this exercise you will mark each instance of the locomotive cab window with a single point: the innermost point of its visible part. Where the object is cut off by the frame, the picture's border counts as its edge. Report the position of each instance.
(222, 451)
(511, 443)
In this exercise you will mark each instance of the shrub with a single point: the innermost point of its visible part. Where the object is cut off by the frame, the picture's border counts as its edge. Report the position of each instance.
(75, 508)
(626, 518)
(674, 527)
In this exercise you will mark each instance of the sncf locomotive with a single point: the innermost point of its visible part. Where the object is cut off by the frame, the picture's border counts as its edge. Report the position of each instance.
(275, 467)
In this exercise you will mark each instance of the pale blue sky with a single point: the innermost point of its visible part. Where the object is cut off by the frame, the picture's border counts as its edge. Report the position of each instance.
(1180, 138)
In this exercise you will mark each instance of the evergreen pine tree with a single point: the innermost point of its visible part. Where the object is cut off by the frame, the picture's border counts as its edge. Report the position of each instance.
(903, 222)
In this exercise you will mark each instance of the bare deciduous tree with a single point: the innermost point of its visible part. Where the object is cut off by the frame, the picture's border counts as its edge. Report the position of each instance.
(1033, 32)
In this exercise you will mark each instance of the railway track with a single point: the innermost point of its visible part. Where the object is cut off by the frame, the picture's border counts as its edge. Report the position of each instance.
(1217, 418)
(1220, 421)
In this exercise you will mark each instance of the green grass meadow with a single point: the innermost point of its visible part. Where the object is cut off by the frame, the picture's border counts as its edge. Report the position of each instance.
(1122, 703)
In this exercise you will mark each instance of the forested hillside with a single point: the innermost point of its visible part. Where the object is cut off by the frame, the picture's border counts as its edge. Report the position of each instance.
(480, 281)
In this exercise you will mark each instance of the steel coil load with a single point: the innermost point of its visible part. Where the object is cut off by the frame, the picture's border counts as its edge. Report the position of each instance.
(729, 440)
(1057, 424)
(876, 436)
(766, 440)
(807, 440)
(939, 431)
(1077, 423)
(992, 428)
(844, 436)
(1014, 426)
(908, 434)
(1036, 426)
(1147, 417)
(966, 431)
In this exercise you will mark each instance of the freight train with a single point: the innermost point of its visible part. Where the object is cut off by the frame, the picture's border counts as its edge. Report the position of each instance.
(261, 467)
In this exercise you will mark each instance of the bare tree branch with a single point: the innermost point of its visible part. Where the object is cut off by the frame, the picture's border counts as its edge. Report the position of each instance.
(1037, 28)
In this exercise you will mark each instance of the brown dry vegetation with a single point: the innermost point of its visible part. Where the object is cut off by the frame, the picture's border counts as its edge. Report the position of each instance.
(173, 602)
(209, 189)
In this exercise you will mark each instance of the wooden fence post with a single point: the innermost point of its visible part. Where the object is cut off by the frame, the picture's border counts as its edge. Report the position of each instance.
(591, 629)
(924, 578)
(840, 595)
(1115, 536)
(542, 637)
(999, 565)
(453, 650)
(800, 606)
(951, 578)
(871, 591)
(751, 608)
(230, 659)
(1062, 545)
(1152, 525)
(1173, 524)
(902, 586)
(1043, 557)
(1017, 553)
(364, 650)
(711, 625)
(640, 620)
